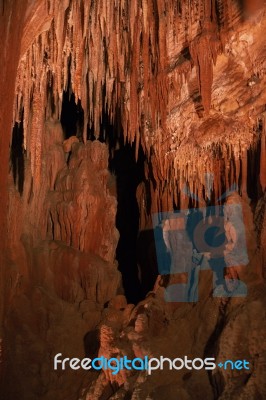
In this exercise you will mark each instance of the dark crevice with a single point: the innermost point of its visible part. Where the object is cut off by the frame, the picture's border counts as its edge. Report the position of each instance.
(129, 174)
(253, 170)
(17, 155)
(72, 114)
(220, 13)
(50, 91)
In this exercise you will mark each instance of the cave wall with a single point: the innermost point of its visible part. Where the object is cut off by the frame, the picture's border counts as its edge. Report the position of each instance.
(9, 17)
(61, 267)
(188, 85)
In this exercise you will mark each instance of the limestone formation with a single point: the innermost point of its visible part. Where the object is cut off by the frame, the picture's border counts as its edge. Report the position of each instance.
(182, 84)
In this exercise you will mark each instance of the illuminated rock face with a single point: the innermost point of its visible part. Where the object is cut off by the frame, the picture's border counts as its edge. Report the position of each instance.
(61, 268)
(180, 81)
(186, 82)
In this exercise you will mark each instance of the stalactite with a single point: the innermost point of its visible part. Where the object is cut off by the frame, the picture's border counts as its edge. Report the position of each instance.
(96, 55)
(135, 57)
(204, 52)
(237, 170)
(225, 168)
(244, 170)
(232, 172)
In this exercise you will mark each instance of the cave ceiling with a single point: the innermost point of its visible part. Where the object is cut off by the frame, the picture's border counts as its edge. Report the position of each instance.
(187, 82)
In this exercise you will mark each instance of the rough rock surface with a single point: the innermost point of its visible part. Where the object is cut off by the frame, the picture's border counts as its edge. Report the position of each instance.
(62, 268)
(220, 327)
(186, 82)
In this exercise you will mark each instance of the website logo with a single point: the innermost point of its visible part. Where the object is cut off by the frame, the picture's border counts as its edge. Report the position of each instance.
(117, 364)
(211, 237)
